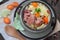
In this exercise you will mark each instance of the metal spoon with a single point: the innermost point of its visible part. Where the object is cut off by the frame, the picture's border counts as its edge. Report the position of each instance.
(11, 31)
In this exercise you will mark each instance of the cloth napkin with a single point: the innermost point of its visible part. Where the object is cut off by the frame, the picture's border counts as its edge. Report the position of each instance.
(17, 23)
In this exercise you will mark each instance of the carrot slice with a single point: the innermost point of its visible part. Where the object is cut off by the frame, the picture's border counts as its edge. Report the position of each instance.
(45, 19)
(15, 4)
(7, 20)
(10, 7)
(35, 4)
(37, 14)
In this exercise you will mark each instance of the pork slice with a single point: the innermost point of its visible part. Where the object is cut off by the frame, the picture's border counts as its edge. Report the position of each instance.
(31, 19)
(26, 15)
(27, 11)
(38, 22)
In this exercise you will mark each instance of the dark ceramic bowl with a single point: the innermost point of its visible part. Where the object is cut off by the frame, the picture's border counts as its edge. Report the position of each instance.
(47, 30)
(51, 18)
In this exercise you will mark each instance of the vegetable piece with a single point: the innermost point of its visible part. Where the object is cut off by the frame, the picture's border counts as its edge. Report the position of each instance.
(32, 26)
(10, 7)
(45, 19)
(15, 4)
(46, 14)
(37, 14)
(5, 12)
(30, 7)
(35, 4)
(37, 10)
(7, 20)
(42, 26)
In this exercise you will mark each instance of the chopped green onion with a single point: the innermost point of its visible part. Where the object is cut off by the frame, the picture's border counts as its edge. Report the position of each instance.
(37, 10)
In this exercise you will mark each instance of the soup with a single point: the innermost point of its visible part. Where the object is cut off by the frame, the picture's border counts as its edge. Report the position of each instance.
(36, 15)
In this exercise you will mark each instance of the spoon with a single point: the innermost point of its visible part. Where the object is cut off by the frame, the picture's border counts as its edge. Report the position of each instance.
(11, 31)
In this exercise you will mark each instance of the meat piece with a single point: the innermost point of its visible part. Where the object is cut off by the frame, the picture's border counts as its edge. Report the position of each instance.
(38, 22)
(27, 11)
(31, 19)
(26, 15)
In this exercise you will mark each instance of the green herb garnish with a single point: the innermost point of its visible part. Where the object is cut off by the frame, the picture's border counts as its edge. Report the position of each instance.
(37, 10)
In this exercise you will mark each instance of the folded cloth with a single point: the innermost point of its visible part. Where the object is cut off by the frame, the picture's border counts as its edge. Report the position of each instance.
(17, 23)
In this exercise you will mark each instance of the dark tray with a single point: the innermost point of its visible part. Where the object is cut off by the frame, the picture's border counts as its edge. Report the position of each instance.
(3, 1)
(55, 36)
